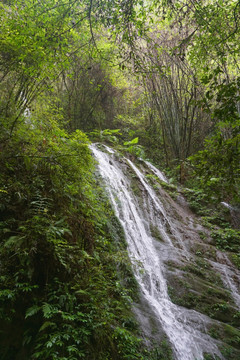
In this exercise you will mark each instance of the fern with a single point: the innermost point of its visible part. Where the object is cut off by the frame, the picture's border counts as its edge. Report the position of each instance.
(40, 204)
(48, 310)
(47, 324)
(32, 311)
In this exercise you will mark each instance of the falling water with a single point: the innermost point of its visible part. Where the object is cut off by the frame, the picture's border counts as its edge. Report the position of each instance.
(235, 214)
(185, 329)
(229, 275)
(157, 172)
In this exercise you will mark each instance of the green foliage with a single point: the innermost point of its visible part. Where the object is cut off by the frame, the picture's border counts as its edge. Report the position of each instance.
(217, 165)
(229, 353)
(61, 296)
(210, 357)
(198, 201)
(133, 148)
(205, 204)
(36, 41)
(128, 345)
(108, 136)
(163, 352)
(114, 138)
(59, 252)
(132, 142)
(236, 260)
(214, 170)
(227, 239)
(66, 280)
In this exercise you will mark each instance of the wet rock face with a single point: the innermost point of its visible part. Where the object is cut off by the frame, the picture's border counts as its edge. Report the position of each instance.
(234, 214)
(190, 289)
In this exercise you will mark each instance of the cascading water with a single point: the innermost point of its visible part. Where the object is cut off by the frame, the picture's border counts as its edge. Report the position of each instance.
(227, 274)
(158, 173)
(185, 329)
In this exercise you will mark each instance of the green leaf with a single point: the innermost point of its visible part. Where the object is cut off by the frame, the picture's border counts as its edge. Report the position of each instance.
(32, 311)
(47, 310)
(132, 142)
(47, 324)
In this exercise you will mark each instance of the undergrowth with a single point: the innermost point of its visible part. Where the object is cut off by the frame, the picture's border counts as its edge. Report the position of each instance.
(62, 261)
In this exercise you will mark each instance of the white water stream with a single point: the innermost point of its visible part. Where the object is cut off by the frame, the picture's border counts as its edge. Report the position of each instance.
(185, 329)
(229, 276)
(157, 172)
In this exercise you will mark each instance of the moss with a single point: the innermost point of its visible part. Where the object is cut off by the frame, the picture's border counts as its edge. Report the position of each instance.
(226, 239)
(203, 235)
(217, 293)
(203, 293)
(230, 353)
(226, 333)
(213, 307)
(136, 186)
(221, 310)
(171, 189)
(161, 352)
(188, 299)
(155, 233)
(172, 265)
(168, 187)
(235, 258)
(195, 269)
(115, 230)
(202, 270)
(210, 357)
(233, 335)
(128, 279)
(204, 250)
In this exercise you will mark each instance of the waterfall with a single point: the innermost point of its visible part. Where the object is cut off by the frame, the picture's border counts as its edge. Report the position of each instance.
(235, 214)
(185, 329)
(158, 173)
(224, 268)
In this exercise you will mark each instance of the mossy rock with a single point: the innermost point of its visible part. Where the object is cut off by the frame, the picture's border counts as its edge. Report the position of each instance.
(199, 294)
(168, 187)
(204, 250)
(136, 186)
(210, 357)
(226, 333)
(202, 271)
(235, 258)
(155, 233)
(229, 352)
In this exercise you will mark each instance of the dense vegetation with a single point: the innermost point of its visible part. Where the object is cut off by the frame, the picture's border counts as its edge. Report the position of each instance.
(159, 78)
